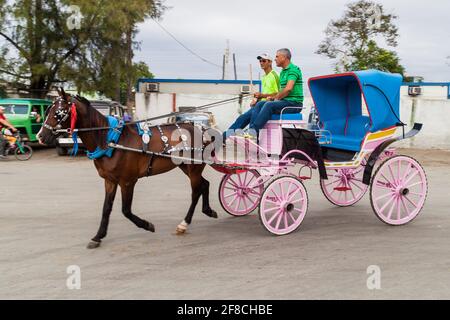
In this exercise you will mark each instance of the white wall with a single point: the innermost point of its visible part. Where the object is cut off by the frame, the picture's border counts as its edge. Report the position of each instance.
(428, 92)
(434, 114)
(155, 104)
(432, 109)
(199, 88)
(152, 105)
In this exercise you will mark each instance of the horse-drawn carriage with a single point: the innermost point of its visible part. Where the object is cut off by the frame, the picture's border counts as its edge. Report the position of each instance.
(358, 121)
(350, 145)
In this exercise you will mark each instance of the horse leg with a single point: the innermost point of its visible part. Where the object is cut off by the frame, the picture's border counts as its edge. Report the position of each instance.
(206, 208)
(127, 190)
(110, 194)
(200, 187)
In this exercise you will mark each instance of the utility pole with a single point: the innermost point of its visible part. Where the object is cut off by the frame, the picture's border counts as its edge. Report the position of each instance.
(251, 77)
(234, 64)
(223, 68)
(226, 61)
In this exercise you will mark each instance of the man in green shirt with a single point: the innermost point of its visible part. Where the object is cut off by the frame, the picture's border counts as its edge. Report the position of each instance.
(270, 88)
(291, 95)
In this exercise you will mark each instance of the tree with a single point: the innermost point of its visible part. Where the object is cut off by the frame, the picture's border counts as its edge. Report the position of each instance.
(2, 92)
(374, 57)
(139, 70)
(352, 40)
(80, 41)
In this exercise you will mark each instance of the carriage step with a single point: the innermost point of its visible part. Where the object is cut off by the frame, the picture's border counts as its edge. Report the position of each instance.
(343, 189)
(305, 178)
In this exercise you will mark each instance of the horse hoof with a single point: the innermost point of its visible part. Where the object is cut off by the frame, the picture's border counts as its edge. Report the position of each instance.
(180, 231)
(214, 214)
(211, 213)
(150, 227)
(93, 245)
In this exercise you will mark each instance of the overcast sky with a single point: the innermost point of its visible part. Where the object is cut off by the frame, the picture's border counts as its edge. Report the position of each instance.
(255, 27)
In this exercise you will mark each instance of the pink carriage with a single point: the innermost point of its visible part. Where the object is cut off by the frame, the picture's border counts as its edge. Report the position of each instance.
(350, 145)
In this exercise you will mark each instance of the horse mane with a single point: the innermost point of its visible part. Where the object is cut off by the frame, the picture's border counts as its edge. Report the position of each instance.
(97, 119)
(83, 100)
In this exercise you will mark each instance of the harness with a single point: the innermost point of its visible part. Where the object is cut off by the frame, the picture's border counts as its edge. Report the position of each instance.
(61, 115)
(113, 136)
(146, 134)
(115, 129)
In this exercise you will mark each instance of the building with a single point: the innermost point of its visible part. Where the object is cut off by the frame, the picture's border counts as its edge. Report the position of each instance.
(427, 103)
(156, 97)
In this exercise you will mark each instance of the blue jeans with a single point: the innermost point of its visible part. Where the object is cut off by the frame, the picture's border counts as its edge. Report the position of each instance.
(244, 119)
(263, 112)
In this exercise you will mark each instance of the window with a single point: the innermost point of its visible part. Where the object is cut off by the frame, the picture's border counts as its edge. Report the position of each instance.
(15, 108)
(104, 110)
(36, 113)
(37, 109)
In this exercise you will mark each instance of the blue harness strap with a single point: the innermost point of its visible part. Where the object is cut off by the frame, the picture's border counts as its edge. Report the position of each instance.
(114, 133)
(139, 130)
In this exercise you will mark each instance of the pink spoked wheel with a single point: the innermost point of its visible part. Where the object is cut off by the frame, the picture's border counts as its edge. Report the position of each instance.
(283, 206)
(239, 194)
(344, 187)
(398, 190)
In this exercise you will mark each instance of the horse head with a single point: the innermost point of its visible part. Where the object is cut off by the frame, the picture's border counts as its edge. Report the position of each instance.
(60, 116)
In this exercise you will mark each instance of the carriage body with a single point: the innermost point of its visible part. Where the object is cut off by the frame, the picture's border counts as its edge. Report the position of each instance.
(358, 121)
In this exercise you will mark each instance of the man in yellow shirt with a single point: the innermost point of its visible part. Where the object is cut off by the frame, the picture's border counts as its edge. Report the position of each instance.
(270, 88)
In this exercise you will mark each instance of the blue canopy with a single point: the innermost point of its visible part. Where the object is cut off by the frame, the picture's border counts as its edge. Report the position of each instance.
(339, 96)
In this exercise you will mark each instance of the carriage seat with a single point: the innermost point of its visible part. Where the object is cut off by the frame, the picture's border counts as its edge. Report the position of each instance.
(271, 139)
(347, 133)
(287, 116)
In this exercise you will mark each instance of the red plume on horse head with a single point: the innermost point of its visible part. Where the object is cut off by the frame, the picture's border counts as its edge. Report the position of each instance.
(73, 108)
(73, 116)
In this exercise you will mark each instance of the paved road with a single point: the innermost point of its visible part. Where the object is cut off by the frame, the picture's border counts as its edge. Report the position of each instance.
(50, 208)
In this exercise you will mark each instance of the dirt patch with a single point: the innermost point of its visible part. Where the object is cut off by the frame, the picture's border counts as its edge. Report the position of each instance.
(428, 157)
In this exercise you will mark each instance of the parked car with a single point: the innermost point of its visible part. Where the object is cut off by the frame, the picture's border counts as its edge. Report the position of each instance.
(27, 115)
(203, 118)
(107, 108)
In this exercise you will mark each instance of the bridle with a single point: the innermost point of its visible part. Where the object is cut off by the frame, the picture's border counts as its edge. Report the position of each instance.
(61, 115)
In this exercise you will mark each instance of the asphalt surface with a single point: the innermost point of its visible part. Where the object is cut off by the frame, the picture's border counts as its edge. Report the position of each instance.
(51, 207)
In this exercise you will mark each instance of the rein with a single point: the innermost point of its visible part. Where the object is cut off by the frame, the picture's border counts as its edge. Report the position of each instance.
(73, 115)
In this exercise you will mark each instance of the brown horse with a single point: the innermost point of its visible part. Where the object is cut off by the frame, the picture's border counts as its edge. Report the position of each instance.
(124, 168)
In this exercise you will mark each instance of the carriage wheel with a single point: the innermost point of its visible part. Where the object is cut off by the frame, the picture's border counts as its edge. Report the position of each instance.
(398, 190)
(239, 194)
(344, 187)
(283, 206)
(23, 154)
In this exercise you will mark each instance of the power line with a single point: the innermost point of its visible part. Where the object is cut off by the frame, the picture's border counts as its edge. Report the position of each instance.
(185, 47)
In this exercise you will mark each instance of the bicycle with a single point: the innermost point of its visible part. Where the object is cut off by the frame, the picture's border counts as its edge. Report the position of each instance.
(21, 151)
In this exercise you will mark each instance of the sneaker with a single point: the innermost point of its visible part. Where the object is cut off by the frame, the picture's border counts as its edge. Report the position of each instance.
(249, 136)
(2, 157)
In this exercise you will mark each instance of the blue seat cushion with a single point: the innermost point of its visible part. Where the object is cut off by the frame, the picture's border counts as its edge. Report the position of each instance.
(349, 143)
(347, 134)
(288, 116)
(357, 126)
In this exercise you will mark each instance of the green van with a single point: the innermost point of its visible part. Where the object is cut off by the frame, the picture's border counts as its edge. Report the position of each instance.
(27, 115)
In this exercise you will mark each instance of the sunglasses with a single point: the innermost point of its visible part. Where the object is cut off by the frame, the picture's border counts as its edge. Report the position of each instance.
(263, 60)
